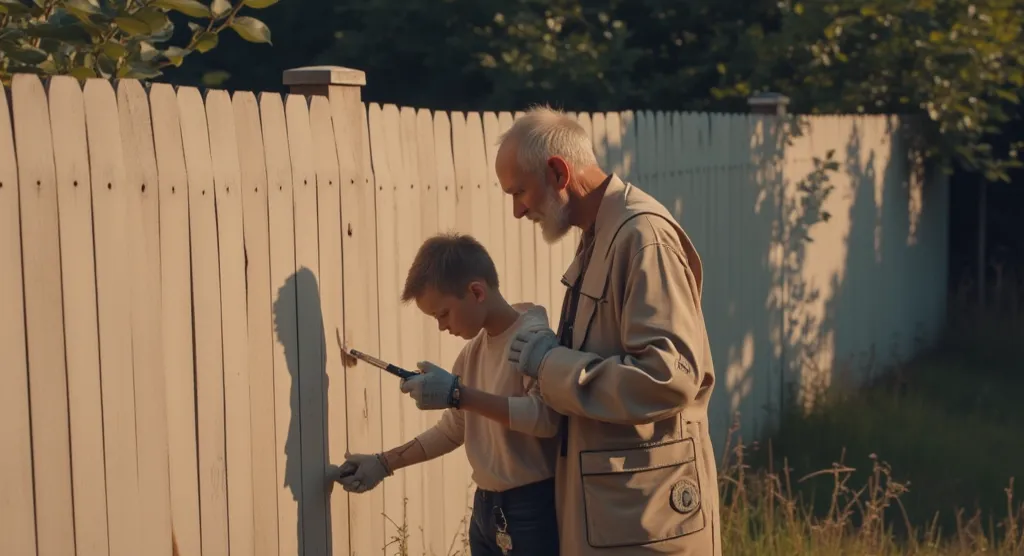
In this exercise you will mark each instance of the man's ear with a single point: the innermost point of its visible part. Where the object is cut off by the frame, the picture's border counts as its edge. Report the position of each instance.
(559, 168)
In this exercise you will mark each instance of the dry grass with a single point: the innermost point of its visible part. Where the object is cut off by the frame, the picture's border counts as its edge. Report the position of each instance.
(920, 463)
(763, 513)
(951, 420)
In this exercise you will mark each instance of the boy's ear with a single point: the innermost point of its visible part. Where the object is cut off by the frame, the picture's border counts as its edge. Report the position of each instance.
(478, 290)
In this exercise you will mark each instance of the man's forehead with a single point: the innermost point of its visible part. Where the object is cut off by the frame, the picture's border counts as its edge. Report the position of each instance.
(508, 175)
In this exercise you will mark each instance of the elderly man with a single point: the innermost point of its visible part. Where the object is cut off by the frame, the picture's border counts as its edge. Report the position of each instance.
(630, 368)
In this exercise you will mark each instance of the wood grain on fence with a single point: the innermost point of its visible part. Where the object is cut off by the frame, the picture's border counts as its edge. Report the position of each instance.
(181, 269)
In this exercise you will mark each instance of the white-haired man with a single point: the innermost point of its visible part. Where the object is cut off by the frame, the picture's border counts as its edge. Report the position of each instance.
(630, 367)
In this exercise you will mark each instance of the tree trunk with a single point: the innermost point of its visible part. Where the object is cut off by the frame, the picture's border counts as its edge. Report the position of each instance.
(982, 229)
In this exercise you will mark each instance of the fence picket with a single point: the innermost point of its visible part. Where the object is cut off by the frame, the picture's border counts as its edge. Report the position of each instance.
(512, 279)
(308, 375)
(259, 329)
(206, 290)
(528, 232)
(17, 528)
(496, 199)
(385, 146)
(663, 141)
(176, 304)
(332, 294)
(231, 249)
(44, 316)
(143, 235)
(409, 236)
(78, 271)
(282, 271)
(456, 468)
(434, 519)
(109, 206)
(359, 265)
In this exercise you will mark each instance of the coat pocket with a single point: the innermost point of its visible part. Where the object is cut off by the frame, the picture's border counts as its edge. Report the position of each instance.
(639, 496)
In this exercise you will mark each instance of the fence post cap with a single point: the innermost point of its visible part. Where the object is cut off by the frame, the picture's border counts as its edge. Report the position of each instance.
(768, 103)
(324, 75)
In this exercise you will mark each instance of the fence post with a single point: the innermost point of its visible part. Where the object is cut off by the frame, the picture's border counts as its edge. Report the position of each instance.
(352, 414)
(319, 80)
(772, 104)
(772, 137)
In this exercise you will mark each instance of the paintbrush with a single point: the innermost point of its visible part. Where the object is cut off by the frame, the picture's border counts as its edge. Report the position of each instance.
(353, 355)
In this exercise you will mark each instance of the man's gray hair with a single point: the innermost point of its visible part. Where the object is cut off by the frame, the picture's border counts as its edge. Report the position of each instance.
(543, 132)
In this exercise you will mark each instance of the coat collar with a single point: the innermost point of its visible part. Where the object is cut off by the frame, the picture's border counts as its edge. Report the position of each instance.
(621, 202)
(610, 215)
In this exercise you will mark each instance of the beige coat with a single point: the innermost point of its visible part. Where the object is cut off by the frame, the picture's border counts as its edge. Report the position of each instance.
(637, 473)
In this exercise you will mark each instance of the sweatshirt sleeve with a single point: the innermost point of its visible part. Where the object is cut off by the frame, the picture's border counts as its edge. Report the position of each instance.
(530, 415)
(444, 437)
(450, 431)
(657, 373)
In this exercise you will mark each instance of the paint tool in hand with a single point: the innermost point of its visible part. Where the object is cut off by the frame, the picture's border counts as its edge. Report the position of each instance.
(383, 365)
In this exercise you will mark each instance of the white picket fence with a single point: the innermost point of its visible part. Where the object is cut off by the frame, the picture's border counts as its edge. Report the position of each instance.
(179, 270)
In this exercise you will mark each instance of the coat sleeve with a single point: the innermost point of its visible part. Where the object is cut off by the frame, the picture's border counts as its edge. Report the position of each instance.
(657, 375)
(530, 415)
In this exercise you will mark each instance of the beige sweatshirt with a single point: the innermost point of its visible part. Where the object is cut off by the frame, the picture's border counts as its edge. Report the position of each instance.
(501, 458)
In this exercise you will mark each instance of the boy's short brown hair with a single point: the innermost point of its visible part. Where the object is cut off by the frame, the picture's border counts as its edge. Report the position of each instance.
(448, 262)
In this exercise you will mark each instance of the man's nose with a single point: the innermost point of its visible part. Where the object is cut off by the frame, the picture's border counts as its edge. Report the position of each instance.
(518, 209)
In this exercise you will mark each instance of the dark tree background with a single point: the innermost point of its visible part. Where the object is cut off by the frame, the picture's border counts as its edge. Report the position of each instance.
(957, 63)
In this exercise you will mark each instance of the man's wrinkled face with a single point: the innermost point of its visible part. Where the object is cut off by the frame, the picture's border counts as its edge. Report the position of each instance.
(534, 195)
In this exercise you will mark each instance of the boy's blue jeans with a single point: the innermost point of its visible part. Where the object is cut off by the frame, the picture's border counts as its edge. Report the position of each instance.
(526, 514)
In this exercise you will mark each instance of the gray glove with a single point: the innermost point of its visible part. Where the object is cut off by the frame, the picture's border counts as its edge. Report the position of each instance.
(432, 388)
(362, 472)
(528, 349)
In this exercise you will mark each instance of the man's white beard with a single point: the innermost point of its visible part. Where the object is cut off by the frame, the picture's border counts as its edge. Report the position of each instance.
(554, 218)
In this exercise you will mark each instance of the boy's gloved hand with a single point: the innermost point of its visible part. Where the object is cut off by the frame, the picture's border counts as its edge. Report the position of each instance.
(362, 472)
(528, 349)
(432, 389)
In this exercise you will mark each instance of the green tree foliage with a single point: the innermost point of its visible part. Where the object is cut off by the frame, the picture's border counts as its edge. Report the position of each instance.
(498, 54)
(958, 63)
(115, 38)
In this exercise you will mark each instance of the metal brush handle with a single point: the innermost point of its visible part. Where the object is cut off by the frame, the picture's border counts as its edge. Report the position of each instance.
(388, 367)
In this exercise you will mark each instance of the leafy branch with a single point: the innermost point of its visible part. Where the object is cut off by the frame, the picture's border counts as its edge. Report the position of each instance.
(114, 38)
(958, 65)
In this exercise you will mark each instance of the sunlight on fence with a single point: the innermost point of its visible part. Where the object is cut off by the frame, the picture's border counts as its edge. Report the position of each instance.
(179, 269)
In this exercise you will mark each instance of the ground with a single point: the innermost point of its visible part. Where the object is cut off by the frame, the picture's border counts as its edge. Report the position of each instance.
(933, 448)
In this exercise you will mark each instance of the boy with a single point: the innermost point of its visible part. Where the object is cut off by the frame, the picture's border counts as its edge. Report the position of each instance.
(508, 432)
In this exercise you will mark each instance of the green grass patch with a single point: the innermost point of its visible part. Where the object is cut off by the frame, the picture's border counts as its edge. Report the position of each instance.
(921, 462)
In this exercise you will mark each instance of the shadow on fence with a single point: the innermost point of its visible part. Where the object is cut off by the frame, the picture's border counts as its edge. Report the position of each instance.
(802, 273)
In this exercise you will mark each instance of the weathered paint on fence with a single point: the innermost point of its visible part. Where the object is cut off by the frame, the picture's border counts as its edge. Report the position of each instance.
(188, 266)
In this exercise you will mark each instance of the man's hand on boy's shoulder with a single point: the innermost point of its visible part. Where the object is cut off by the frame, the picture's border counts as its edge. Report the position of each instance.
(432, 388)
(528, 348)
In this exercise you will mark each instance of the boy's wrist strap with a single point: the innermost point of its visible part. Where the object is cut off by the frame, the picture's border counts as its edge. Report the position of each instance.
(455, 395)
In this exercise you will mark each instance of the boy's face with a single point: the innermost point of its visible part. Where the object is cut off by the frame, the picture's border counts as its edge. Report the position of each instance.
(462, 317)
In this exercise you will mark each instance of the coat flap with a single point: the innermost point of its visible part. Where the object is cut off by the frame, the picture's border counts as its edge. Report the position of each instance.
(573, 272)
(594, 280)
(644, 458)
